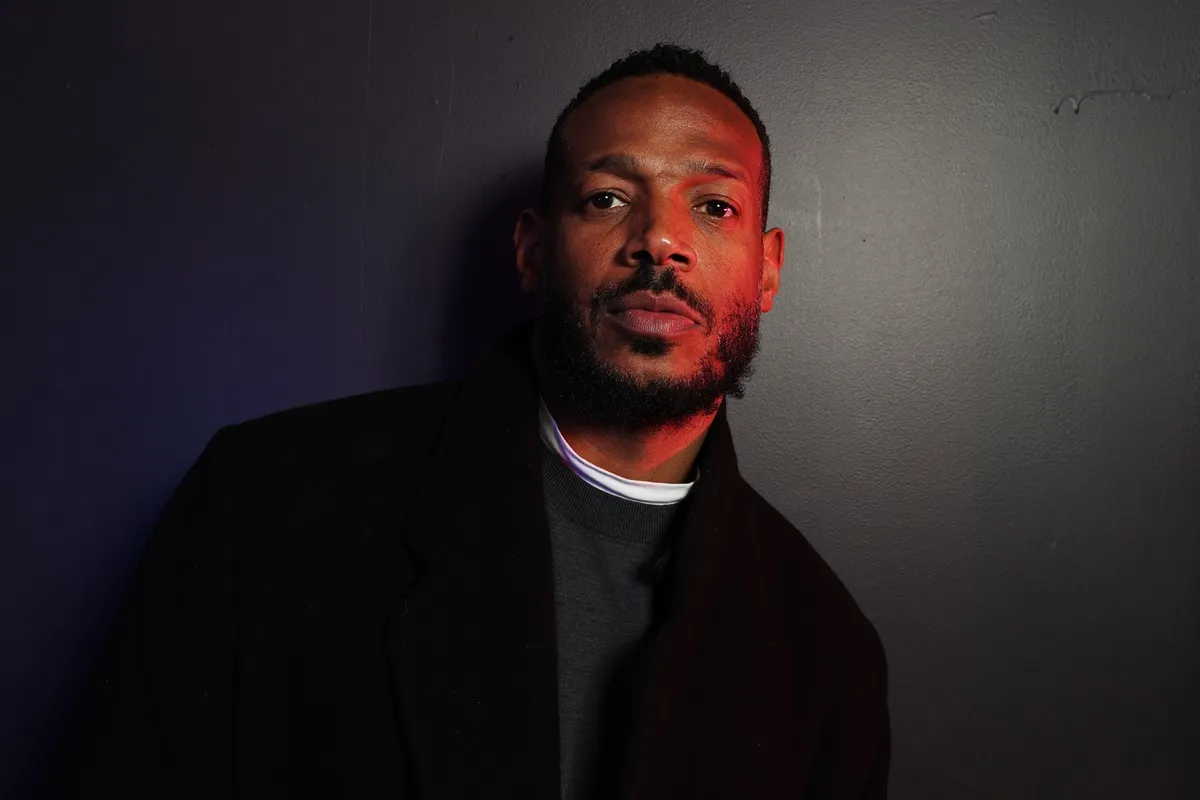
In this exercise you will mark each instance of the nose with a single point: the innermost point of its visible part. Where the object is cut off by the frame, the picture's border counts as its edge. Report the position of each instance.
(661, 236)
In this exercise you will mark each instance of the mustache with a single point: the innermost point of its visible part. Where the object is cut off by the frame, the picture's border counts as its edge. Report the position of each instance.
(648, 278)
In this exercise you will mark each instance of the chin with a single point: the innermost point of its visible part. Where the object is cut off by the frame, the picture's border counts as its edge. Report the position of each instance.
(667, 364)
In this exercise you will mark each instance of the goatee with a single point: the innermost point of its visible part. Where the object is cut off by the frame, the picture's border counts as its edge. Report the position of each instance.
(605, 395)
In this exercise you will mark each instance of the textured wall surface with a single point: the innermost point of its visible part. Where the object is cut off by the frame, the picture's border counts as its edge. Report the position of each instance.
(979, 391)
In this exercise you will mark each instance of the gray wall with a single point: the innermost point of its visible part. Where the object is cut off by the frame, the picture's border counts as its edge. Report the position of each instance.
(979, 390)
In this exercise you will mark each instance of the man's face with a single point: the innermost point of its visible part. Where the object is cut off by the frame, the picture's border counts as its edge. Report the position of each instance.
(651, 265)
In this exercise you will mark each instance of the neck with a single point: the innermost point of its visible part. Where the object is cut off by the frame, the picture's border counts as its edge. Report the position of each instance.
(663, 454)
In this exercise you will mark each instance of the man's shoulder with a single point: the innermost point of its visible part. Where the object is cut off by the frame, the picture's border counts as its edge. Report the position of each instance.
(808, 584)
(341, 433)
(383, 408)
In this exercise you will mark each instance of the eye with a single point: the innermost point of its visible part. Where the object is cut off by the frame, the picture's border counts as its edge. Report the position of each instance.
(719, 208)
(603, 201)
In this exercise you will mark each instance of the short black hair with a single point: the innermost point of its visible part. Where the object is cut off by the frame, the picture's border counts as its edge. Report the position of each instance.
(662, 59)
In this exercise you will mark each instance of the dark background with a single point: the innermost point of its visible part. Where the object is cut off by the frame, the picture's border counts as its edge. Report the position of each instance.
(979, 391)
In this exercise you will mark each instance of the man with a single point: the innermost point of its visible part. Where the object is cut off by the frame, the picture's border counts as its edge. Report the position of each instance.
(545, 580)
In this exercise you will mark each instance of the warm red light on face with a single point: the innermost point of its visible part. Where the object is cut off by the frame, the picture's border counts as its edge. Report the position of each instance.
(662, 174)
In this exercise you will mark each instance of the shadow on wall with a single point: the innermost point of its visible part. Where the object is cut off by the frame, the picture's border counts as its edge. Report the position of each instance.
(84, 613)
(485, 297)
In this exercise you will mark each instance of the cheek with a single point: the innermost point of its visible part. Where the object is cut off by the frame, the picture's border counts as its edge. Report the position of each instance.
(736, 276)
(736, 304)
(579, 247)
(588, 259)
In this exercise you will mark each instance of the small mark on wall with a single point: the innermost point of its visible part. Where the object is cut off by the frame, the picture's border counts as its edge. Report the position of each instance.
(1077, 101)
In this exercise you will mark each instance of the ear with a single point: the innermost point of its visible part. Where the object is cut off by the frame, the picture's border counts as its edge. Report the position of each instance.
(527, 239)
(772, 262)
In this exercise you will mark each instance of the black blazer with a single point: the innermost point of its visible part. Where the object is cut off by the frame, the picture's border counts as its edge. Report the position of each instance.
(355, 599)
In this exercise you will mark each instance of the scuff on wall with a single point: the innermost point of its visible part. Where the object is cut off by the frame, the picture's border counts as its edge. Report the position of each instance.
(1077, 100)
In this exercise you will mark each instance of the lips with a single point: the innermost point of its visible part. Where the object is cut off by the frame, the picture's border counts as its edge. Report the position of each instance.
(648, 314)
(656, 303)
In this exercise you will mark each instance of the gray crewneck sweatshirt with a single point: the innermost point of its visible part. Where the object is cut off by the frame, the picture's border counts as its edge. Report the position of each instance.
(605, 550)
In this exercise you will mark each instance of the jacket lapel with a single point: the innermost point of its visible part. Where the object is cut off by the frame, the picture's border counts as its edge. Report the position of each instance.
(717, 716)
(472, 642)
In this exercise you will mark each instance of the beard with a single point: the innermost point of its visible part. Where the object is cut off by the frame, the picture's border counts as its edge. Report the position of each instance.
(605, 395)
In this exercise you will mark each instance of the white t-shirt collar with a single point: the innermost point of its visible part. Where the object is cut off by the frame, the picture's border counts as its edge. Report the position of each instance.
(648, 492)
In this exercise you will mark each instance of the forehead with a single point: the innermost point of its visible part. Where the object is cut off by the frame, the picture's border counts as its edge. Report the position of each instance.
(663, 118)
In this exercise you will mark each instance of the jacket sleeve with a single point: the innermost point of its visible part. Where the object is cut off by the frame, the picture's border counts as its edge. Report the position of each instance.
(881, 756)
(867, 729)
(156, 718)
(856, 755)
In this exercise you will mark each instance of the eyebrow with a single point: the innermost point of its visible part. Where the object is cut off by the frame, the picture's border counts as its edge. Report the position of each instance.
(625, 164)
